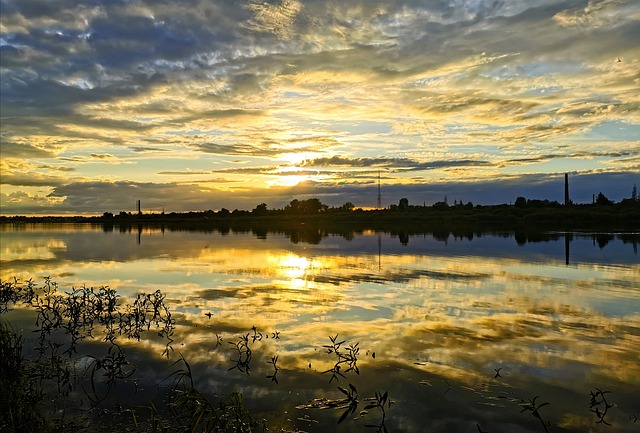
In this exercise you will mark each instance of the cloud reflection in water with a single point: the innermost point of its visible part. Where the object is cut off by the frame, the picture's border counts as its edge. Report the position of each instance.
(440, 319)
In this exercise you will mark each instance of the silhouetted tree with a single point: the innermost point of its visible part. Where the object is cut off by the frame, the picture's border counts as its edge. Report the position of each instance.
(293, 206)
(403, 203)
(260, 210)
(313, 205)
(602, 200)
(310, 206)
(521, 202)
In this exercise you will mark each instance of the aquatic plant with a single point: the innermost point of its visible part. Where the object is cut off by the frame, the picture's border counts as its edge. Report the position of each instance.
(274, 376)
(20, 398)
(193, 410)
(76, 313)
(379, 401)
(531, 406)
(349, 403)
(344, 357)
(599, 405)
(244, 354)
(63, 320)
(114, 367)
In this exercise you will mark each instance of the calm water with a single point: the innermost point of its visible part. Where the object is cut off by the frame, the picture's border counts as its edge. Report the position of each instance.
(556, 315)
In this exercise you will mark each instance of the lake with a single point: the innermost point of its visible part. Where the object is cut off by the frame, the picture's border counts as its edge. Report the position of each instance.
(461, 332)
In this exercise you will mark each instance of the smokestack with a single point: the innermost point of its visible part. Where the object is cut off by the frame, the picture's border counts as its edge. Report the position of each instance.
(379, 193)
(138, 206)
(566, 189)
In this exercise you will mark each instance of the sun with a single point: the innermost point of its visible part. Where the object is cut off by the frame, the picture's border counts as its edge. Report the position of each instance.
(290, 173)
(289, 180)
(294, 158)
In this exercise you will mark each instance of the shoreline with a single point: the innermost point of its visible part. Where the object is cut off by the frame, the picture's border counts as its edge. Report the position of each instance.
(616, 217)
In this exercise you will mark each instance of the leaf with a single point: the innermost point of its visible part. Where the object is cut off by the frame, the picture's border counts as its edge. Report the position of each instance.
(344, 415)
(353, 388)
(344, 391)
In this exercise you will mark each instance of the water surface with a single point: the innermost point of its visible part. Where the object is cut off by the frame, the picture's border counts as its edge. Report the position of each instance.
(457, 329)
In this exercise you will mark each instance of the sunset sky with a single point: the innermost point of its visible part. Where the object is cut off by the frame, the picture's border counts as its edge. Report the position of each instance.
(202, 104)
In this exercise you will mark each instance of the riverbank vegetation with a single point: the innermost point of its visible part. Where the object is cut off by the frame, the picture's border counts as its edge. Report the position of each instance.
(523, 213)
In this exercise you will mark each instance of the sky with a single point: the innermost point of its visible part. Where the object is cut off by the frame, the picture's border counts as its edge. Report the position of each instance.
(201, 104)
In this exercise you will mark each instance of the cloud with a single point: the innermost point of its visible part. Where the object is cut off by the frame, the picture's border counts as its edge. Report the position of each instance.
(397, 163)
(274, 18)
(32, 179)
(98, 197)
(597, 14)
(12, 149)
(149, 149)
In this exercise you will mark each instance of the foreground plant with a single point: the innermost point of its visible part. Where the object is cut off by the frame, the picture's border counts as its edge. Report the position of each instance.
(20, 398)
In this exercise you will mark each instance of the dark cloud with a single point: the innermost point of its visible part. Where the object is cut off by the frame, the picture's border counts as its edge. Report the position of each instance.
(400, 163)
(141, 149)
(235, 149)
(550, 156)
(11, 149)
(98, 197)
(32, 179)
(57, 168)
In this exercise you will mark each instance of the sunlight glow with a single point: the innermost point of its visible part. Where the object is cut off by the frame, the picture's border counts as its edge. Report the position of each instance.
(290, 265)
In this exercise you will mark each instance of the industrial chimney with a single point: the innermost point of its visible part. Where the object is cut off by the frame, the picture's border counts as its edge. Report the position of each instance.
(566, 190)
